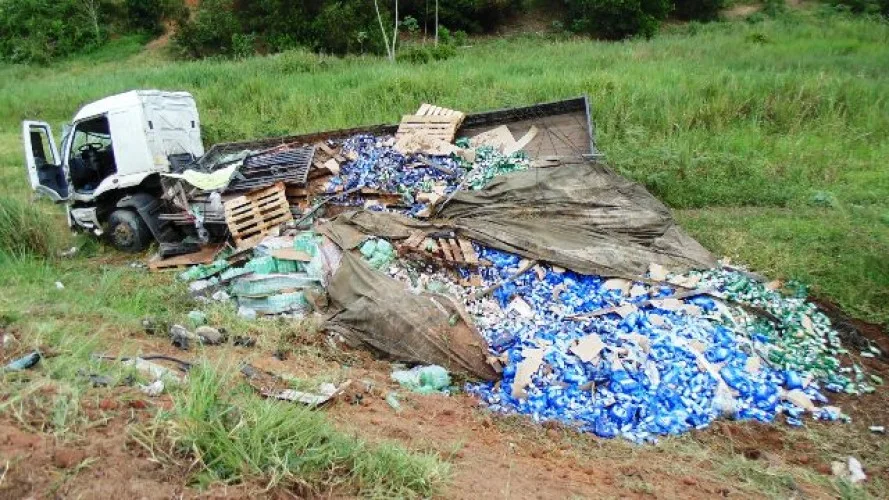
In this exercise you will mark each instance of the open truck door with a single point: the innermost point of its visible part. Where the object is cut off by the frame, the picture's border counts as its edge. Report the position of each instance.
(45, 170)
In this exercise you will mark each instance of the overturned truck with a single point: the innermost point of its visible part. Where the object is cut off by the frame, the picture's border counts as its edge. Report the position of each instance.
(118, 158)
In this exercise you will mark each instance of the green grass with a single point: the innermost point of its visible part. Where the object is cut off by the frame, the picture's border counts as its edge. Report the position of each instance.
(767, 116)
(237, 437)
(23, 230)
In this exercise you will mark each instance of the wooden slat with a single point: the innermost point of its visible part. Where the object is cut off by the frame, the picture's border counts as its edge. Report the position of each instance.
(424, 108)
(415, 239)
(446, 249)
(469, 254)
(202, 256)
(455, 250)
(326, 149)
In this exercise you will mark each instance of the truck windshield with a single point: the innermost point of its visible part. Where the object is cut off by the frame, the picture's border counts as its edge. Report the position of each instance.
(92, 155)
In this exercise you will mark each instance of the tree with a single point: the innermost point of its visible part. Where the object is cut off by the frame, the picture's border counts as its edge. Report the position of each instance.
(91, 9)
(390, 48)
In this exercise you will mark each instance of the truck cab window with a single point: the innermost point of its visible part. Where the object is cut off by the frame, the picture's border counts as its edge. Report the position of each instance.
(91, 155)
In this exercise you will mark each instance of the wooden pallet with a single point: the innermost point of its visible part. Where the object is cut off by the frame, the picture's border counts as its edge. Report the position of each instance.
(251, 216)
(431, 121)
(183, 262)
(451, 251)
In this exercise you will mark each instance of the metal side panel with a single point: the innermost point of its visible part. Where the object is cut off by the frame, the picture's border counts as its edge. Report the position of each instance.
(565, 128)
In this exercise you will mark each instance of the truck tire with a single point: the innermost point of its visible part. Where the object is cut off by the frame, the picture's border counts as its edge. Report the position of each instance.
(128, 232)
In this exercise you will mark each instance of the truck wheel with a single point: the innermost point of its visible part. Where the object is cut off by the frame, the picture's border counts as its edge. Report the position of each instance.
(128, 232)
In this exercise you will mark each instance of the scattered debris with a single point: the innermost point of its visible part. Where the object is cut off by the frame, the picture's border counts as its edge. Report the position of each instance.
(851, 470)
(243, 341)
(325, 393)
(878, 429)
(660, 362)
(23, 363)
(273, 386)
(392, 401)
(209, 335)
(8, 341)
(181, 337)
(153, 389)
(423, 379)
(59, 285)
(197, 318)
(152, 326)
(154, 370)
(100, 380)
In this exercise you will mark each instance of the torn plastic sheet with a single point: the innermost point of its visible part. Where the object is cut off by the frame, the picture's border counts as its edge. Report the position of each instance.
(276, 304)
(271, 284)
(580, 216)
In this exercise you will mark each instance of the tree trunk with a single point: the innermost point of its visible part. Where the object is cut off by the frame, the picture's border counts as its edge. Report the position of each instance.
(383, 31)
(394, 32)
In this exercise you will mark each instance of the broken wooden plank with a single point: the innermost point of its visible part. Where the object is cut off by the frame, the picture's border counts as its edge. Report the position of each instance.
(181, 262)
(415, 239)
(528, 264)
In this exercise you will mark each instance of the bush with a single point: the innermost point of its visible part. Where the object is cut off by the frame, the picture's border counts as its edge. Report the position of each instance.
(42, 30)
(698, 10)
(426, 52)
(334, 26)
(337, 28)
(24, 230)
(862, 6)
(616, 19)
(209, 32)
(473, 16)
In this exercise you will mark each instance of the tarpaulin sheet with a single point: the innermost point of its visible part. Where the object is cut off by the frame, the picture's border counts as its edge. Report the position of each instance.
(373, 310)
(579, 216)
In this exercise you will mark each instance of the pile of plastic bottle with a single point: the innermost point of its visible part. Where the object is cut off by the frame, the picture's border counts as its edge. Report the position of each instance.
(377, 165)
(661, 371)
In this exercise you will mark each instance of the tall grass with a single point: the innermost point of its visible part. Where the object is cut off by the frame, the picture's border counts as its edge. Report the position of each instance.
(26, 231)
(236, 437)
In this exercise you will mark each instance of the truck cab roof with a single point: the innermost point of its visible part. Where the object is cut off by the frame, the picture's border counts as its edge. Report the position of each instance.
(131, 99)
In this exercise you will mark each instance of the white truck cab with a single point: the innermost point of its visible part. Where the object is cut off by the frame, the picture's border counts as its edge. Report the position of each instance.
(111, 157)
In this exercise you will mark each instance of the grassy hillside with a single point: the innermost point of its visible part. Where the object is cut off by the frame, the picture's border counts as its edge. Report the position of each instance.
(770, 139)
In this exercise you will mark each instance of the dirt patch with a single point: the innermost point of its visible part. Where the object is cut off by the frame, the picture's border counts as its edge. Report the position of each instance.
(858, 335)
(741, 11)
(514, 457)
(101, 464)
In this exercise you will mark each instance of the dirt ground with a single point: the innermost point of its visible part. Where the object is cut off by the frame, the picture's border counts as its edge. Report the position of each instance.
(508, 457)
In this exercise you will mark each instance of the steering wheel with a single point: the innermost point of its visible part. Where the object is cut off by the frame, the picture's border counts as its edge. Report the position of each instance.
(89, 146)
